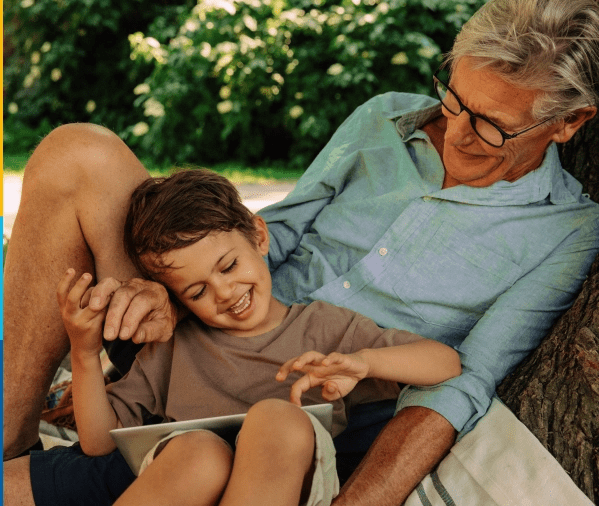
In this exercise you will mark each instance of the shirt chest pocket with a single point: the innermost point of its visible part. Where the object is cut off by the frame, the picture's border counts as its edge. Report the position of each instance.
(453, 280)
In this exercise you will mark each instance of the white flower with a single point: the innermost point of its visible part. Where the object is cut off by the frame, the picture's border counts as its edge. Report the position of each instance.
(296, 111)
(56, 75)
(224, 107)
(400, 59)
(335, 69)
(153, 108)
(141, 89)
(141, 129)
(13, 108)
(90, 106)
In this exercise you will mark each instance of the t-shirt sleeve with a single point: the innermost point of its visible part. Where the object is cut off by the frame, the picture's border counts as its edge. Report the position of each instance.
(142, 392)
(367, 334)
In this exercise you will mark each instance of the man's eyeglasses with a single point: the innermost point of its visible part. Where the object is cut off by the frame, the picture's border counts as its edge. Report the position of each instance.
(484, 127)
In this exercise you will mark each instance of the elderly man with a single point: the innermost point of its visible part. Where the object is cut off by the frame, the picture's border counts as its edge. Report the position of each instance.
(452, 219)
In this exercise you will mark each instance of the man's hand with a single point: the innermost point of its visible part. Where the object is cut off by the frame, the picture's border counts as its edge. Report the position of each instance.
(138, 309)
(337, 373)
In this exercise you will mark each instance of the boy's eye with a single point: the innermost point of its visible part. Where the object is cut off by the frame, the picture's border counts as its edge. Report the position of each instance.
(230, 267)
(199, 294)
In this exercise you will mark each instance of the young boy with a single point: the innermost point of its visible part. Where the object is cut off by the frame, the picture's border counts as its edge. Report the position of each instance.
(234, 353)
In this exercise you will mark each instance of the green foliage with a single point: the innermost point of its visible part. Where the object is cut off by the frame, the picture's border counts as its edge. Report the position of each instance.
(69, 61)
(256, 80)
(252, 80)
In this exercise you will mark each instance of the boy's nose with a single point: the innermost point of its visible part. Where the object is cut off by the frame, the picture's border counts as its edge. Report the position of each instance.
(224, 291)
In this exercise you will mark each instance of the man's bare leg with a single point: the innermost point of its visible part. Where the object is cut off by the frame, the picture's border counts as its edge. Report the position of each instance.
(17, 483)
(74, 201)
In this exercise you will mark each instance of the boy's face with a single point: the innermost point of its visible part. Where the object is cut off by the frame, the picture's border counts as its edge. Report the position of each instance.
(225, 282)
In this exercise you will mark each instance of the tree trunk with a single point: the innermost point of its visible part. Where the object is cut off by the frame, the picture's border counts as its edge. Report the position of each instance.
(555, 391)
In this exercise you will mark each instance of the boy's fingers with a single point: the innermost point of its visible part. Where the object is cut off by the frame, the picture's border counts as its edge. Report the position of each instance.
(330, 391)
(62, 290)
(307, 358)
(79, 288)
(298, 388)
(285, 369)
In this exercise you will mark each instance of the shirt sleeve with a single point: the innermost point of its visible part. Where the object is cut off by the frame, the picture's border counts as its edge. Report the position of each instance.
(509, 330)
(142, 392)
(291, 218)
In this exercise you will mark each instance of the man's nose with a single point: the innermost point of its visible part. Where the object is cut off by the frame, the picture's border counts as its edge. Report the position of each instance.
(459, 130)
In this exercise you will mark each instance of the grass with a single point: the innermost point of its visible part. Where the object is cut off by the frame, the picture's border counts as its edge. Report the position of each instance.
(236, 172)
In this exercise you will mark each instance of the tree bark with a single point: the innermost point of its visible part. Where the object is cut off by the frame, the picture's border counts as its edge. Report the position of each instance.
(555, 391)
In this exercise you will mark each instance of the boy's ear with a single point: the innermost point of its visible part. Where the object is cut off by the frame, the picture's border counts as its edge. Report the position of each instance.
(263, 238)
(572, 123)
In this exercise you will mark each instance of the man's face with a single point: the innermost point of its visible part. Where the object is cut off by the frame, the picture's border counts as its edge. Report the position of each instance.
(225, 282)
(467, 158)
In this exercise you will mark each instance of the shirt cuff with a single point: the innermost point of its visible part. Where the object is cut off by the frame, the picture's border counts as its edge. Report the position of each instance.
(454, 405)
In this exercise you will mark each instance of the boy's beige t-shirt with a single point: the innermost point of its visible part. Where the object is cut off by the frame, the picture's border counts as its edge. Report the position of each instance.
(202, 372)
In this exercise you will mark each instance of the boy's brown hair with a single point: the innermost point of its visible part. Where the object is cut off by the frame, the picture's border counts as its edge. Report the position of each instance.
(173, 212)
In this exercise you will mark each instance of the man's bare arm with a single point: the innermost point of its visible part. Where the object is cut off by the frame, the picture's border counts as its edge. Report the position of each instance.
(406, 450)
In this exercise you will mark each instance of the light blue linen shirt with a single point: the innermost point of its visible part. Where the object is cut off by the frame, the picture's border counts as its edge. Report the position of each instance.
(484, 270)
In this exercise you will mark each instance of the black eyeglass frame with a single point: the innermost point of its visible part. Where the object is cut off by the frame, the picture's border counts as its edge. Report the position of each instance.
(505, 136)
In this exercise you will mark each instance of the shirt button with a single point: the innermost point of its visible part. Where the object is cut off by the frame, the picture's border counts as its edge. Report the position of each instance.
(427, 198)
(383, 252)
(346, 284)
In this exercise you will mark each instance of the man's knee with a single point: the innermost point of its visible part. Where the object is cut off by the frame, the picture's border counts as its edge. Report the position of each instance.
(76, 154)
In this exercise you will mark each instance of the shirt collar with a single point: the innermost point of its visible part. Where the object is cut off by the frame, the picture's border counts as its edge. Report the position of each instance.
(548, 181)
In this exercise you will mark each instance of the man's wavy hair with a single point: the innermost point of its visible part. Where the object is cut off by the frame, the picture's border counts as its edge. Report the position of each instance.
(170, 213)
(551, 45)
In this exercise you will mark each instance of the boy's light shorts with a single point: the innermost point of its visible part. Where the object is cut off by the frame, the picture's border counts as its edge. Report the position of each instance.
(325, 483)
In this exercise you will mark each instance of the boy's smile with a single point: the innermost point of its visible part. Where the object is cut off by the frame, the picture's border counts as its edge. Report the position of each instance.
(225, 282)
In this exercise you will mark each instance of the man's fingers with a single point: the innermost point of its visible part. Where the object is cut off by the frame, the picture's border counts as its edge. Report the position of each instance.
(119, 305)
(101, 294)
(152, 331)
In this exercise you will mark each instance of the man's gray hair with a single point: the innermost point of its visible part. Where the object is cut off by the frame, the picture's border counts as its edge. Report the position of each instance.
(551, 45)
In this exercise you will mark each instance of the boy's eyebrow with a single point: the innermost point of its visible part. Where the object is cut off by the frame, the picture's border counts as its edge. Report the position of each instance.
(198, 282)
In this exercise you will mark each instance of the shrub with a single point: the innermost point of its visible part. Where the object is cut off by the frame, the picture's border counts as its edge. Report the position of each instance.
(220, 80)
(258, 80)
(69, 61)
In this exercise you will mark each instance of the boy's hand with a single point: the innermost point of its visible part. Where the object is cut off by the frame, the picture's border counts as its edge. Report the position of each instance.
(83, 324)
(337, 373)
(138, 309)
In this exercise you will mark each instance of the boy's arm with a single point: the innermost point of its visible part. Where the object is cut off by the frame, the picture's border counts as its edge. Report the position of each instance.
(422, 362)
(93, 413)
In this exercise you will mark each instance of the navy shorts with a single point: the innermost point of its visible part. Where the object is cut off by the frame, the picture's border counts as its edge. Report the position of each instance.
(66, 476)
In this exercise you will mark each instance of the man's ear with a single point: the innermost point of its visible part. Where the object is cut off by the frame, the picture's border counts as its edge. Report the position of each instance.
(262, 236)
(573, 122)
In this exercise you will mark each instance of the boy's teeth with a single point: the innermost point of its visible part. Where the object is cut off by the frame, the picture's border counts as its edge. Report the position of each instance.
(242, 305)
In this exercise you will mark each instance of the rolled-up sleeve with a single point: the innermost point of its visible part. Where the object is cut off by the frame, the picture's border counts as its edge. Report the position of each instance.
(509, 330)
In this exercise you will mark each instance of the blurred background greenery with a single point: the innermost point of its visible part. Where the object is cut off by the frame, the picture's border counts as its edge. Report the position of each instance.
(215, 82)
